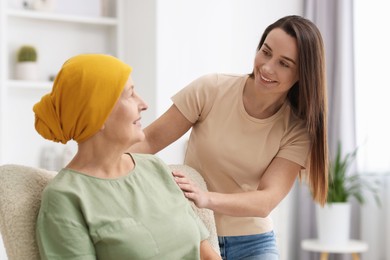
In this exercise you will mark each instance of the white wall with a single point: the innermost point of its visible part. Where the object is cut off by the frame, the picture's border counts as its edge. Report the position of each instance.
(140, 33)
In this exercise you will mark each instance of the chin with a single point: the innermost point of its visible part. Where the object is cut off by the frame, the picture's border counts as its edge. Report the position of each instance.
(134, 139)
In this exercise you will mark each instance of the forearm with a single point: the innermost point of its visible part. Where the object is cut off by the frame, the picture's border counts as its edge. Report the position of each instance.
(141, 147)
(152, 144)
(258, 203)
(162, 132)
(245, 204)
(274, 186)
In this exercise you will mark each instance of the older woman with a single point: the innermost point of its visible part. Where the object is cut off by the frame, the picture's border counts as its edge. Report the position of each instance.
(108, 204)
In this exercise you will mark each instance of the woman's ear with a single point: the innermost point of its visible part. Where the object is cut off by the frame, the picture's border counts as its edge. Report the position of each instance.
(103, 126)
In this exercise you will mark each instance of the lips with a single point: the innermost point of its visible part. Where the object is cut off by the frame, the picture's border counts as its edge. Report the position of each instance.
(137, 122)
(266, 79)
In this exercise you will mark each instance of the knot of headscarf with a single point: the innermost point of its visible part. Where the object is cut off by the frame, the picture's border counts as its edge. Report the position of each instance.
(83, 95)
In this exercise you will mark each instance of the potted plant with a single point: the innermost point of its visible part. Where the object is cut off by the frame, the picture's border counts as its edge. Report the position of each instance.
(26, 66)
(333, 220)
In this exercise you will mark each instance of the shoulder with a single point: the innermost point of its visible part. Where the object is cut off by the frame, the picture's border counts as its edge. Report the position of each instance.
(62, 193)
(296, 133)
(153, 169)
(230, 77)
(208, 86)
(151, 159)
(150, 162)
(215, 79)
(202, 83)
(222, 78)
(196, 100)
(59, 181)
(65, 182)
(293, 121)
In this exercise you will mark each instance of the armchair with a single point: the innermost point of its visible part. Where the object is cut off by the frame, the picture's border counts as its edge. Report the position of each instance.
(20, 197)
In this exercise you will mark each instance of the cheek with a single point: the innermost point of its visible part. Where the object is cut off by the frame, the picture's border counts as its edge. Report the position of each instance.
(130, 114)
(257, 57)
(290, 75)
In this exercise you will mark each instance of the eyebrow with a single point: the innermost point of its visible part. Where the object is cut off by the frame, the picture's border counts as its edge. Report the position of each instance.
(284, 57)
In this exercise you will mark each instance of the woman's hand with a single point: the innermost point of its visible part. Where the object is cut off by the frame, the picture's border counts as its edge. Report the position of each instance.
(191, 190)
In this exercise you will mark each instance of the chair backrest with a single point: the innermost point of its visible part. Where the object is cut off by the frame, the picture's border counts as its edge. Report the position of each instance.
(20, 198)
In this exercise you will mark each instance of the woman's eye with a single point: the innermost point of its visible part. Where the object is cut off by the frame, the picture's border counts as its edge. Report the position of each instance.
(130, 93)
(266, 53)
(284, 64)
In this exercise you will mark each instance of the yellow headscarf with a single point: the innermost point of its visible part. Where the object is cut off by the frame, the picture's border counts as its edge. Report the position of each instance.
(83, 95)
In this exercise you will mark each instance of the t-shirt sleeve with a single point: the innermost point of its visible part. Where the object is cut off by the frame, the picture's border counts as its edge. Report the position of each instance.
(196, 99)
(295, 144)
(59, 234)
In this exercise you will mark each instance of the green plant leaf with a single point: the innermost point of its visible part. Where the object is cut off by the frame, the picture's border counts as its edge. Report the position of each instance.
(341, 187)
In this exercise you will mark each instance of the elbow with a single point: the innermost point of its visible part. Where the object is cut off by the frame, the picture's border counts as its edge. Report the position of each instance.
(266, 202)
(264, 210)
(263, 213)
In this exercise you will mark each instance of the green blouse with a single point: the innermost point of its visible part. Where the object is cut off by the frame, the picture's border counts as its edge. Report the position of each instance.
(143, 215)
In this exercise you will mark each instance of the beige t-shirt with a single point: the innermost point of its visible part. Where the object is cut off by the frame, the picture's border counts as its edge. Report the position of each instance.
(230, 148)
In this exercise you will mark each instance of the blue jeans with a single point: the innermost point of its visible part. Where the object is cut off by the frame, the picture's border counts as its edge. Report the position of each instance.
(251, 247)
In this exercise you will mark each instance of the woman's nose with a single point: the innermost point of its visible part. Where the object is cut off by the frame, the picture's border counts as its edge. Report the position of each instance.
(143, 105)
(268, 67)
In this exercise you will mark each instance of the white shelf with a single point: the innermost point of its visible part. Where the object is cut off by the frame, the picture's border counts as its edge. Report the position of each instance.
(57, 37)
(24, 84)
(61, 17)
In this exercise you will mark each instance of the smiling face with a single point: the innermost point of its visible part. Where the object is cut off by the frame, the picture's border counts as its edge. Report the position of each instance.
(276, 63)
(123, 126)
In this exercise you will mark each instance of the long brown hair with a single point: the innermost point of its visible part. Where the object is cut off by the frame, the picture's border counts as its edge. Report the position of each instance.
(308, 96)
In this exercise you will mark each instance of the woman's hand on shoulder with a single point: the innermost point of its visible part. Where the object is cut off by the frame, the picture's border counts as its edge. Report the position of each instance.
(191, 190)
